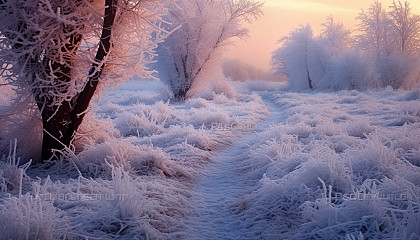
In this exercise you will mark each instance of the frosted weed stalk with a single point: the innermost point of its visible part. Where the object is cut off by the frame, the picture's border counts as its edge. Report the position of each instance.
(12, 175)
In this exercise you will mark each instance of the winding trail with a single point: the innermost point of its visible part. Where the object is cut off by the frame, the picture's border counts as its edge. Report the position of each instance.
(215, 195)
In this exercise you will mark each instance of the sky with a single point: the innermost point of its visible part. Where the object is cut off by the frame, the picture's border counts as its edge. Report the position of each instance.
(280, 17)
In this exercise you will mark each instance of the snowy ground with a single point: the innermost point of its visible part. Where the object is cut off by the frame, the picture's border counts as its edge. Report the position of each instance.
(215, 205)
(261, 165)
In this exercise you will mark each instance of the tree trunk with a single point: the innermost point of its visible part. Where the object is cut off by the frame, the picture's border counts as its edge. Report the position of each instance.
(184, 82)
(181, 94)
(58, 131)
(56, 120)
(309, 78)
(61, 122)
(307, 68)
(81, 102)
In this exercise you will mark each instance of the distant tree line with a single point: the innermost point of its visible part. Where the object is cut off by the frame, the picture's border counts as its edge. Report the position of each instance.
(384, 51)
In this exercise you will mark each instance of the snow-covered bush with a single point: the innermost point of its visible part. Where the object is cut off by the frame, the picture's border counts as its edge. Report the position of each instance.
(352, 71)
(398, 70)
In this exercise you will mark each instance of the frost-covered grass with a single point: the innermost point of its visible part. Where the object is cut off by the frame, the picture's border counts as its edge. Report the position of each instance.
(137, 157)
(342, 165)
(326, 165)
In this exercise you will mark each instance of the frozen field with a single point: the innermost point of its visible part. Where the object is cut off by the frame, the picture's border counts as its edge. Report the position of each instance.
(265, 163)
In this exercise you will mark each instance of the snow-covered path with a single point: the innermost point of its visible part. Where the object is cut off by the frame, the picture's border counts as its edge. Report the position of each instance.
(216, 194)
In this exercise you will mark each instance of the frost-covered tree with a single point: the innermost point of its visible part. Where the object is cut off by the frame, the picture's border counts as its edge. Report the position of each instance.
(202, 29)
(375, 30)
(388, 32)
(392, 41)
(56, 53)
(384, 53)
(292, 58)
(406, 26)
(335, 36)
(334, 40)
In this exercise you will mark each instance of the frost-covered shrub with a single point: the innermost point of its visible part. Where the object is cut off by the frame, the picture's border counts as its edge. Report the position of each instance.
(92, 161)
(208, 117)
(301, 130)
(397, 70)
(305, 59)
(352, 70)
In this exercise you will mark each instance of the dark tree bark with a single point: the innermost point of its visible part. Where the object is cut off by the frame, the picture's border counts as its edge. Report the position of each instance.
(307, 67)
(309, 76)
(61, 122)
(181, 94)
(57, 120)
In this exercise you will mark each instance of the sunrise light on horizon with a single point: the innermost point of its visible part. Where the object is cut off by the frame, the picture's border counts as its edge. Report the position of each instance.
(280, 17)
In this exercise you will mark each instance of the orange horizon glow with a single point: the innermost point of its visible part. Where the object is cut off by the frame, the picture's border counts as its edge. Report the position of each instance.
(280, 17)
